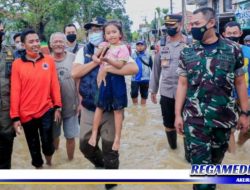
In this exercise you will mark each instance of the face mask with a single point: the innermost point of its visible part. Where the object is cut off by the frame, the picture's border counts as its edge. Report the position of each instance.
(172, 31)
(233, 38)
(96, 38)
(248, 45)
(198, 33)
(71, 37)
(19, 46)
(31, 54)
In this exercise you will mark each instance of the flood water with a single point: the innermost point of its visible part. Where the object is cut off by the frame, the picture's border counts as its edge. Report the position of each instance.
(144, 146)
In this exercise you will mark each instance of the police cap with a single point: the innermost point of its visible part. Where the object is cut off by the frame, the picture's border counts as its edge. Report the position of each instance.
(172, 19)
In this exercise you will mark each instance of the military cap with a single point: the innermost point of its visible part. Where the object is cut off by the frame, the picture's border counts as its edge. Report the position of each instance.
(172, 19)
(98, 21)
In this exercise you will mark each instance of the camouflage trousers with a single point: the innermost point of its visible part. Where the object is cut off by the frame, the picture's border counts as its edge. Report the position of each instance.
(206, 145)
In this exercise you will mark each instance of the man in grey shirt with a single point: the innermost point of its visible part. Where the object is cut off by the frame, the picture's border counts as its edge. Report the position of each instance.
(165, 66)
(64, 61)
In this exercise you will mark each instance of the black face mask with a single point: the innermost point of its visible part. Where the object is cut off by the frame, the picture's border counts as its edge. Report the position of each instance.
(172, 31)
(71, 37)
(198, 33)
(233, 38)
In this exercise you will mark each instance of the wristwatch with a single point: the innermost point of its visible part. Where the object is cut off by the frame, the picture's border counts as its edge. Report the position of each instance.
(243, 113)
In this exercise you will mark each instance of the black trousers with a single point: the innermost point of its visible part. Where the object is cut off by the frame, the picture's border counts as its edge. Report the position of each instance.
(36, 129)
(6, 147)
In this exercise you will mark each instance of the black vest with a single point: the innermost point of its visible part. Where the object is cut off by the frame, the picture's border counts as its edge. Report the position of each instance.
(88, 86)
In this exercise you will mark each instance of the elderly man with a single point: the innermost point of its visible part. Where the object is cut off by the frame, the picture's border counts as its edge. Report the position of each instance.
(64, 61)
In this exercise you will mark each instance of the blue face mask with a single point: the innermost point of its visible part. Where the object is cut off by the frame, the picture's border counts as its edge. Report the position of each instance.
(248, 45)
(96, 38)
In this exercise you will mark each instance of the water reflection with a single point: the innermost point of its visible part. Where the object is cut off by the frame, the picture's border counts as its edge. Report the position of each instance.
(143, 146)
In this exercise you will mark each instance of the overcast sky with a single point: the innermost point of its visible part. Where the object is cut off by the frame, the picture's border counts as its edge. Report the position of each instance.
(138, 9)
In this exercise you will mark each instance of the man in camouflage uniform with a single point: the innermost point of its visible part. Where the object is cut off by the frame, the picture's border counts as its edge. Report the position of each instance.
(6, 129)
(209, 70)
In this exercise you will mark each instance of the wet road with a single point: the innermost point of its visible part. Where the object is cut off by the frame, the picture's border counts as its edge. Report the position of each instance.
(144, 146)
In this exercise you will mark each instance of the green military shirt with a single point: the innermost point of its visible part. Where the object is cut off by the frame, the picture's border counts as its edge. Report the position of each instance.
(6, 59)
(210, 78)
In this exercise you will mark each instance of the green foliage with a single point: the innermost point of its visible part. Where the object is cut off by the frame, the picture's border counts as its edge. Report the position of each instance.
(135, 36)
(47, 16)
(159, 19)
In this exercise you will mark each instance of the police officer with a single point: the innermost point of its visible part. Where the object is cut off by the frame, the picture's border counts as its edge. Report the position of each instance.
(165, 66)
(209, 70)
(6, 128)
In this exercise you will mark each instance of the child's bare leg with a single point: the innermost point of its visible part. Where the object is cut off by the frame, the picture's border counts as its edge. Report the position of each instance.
(231, 145)
(118, 128)
(96, 123)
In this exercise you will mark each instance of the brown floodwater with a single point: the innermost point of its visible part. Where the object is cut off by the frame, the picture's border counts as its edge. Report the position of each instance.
(144, 146)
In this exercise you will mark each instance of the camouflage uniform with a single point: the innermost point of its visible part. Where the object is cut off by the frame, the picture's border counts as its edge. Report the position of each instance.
(210, 112)
(6, 130)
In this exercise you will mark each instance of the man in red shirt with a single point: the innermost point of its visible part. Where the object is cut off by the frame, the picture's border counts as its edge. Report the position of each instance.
(35, 98)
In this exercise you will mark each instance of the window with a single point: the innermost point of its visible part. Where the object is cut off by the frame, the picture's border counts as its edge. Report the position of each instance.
(227, 4)
(202, 2)
(216, 6)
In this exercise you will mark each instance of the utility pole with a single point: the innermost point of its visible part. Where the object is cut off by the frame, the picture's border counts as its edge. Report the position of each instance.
(184, 19)
(171, 6)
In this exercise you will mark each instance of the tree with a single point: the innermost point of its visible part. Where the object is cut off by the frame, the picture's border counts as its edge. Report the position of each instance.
(47, 16)
(37, 14)
(159, 20)
(109, 9)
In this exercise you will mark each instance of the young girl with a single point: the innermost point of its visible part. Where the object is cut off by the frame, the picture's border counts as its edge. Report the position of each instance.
(112, 91)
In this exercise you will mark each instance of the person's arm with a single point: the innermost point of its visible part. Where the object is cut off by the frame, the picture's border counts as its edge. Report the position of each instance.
(115, 63)
(121, 58)
(179, 102)
(55, 86)
(55, 92)
(154, 78)
(80, 69)
(240, 85)
(96, 56)
(130, 68)
(79, 96)
(15, 92)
